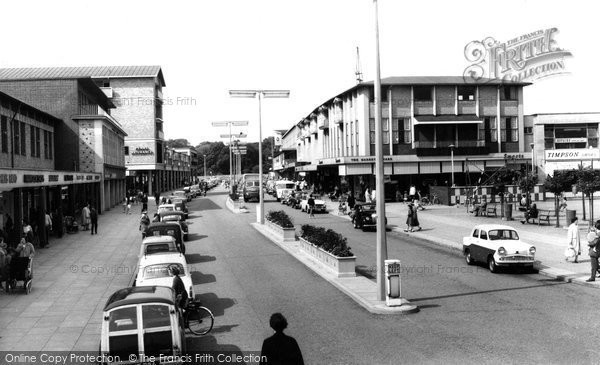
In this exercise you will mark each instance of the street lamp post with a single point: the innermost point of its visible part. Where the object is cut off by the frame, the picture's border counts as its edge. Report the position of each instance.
(230, 124)
(204, 167)
(381, 253)
(261, 94)
(452, 162)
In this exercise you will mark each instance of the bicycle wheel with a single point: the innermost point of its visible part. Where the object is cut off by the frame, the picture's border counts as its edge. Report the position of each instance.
(200, 320)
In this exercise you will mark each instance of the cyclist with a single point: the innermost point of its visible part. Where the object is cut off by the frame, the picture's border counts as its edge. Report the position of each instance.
(179, 287)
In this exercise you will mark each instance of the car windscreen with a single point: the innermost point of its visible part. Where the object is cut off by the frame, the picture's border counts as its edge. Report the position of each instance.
(159, 247)
(251, 184)
(160, 271)
(502, 234)
(369, 207)
(175, 218)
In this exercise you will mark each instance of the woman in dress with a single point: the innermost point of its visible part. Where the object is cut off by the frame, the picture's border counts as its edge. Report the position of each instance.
(573, 239)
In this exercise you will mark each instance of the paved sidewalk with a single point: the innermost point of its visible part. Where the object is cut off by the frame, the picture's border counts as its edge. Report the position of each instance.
(72, 279)
(447, 225)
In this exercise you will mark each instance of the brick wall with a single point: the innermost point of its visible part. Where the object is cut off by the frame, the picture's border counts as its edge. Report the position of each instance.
(58, 98)
(135, 103)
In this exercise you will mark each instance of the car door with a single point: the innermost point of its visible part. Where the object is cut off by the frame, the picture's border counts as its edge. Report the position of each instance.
(474, 244)
(483, 245)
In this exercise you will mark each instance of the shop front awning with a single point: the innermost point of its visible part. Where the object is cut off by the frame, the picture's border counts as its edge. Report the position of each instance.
(447, 119)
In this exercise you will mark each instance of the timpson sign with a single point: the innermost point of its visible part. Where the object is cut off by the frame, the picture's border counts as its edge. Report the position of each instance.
(572, 154)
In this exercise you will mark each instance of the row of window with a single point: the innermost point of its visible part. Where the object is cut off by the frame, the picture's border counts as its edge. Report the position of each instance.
(464, 93)
(19, 139)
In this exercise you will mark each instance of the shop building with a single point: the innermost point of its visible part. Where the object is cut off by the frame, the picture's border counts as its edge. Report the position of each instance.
(137, 97)
(30, 184)
(564, 141)
(192, 163)
(284, 162)
(89, 139)
(432, 126)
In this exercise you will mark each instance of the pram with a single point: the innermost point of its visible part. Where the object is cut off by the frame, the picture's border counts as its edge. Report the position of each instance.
(20, 270)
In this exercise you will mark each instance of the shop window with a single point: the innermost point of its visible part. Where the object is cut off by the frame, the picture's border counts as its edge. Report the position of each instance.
(481, 132)
(423, 93)
(466, 93)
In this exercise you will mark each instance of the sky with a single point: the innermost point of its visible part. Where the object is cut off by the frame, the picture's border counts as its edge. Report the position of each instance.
(206, 48)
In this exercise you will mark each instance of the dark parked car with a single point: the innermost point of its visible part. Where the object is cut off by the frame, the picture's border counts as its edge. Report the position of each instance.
(180, 205)
(364, 216)
(176, 216)
(172, 229)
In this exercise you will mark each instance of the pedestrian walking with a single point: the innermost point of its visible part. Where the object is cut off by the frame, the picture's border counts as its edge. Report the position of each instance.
(85, 215)
(367, 195)
(573, 249)
(280, 348)
(311, 206)
(144, 202)
(48, 226)
(412, 219)
(4, 262)
(144, 223)
(128, 206)
(593, 239)
(351, 200)
(94, 220)
(157, 198)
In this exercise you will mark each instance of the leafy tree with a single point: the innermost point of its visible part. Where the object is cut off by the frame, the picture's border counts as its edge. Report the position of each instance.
(175, 143)
(588, 182)
(558, 183)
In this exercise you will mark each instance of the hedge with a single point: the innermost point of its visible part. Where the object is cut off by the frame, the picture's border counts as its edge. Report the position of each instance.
(327, 239)
(280, 218)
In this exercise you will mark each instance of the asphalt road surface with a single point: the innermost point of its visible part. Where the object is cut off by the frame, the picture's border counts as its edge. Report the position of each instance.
(468, 315)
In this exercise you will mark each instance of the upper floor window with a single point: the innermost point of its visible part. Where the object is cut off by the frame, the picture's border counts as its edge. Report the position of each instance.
(423, 93)
(384, 95)
(466, 93)
(4, 131)
(508, 93)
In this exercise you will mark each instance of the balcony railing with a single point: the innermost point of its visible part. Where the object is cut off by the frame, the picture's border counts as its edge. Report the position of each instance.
(447, 144)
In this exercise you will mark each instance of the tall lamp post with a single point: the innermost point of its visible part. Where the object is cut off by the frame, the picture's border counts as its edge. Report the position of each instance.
(261, 94)
(230, 124)
(204, 167)
(452, 162)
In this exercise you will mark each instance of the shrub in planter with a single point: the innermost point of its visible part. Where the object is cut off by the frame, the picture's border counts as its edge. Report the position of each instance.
(327, 239)
(280, 218)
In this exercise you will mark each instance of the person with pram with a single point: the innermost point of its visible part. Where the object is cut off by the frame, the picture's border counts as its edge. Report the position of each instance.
(19, 268)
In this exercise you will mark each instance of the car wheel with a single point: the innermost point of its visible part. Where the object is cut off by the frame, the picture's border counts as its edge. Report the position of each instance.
(468, 257)
(492, 265)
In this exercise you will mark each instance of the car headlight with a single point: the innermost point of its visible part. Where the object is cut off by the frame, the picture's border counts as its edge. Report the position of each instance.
(374, 215)
(501, 251)
(532, 250)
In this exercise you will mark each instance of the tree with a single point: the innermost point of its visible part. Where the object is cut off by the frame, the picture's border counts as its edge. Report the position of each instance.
(588, 182)
(175, 143)
(557, 184)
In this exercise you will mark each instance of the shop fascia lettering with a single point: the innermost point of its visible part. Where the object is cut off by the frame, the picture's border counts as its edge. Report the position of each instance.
(574, 154)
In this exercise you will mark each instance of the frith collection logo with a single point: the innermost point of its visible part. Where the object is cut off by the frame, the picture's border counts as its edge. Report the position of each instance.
(529, 57)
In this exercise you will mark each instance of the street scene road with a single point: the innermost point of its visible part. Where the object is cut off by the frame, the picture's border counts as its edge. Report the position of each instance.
(467, 314)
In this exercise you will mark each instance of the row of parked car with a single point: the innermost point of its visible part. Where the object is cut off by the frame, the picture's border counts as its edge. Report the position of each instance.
(299, 200)
(146, 318)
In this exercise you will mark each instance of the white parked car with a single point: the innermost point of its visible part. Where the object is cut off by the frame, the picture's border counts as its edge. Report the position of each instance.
(319, 205)
(154, 270)
(497, 246)
(166, 208)
(158, 245)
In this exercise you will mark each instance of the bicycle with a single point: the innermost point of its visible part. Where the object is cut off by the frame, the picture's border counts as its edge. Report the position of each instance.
(198, 319)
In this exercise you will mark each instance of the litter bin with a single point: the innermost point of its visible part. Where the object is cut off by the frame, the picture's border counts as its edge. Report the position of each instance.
(570, 214)
(508, 212)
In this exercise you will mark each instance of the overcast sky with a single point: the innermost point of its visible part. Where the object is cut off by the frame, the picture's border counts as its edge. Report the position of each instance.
(206, 48)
